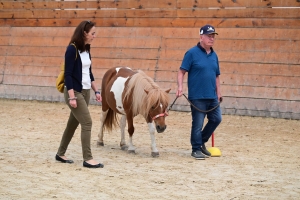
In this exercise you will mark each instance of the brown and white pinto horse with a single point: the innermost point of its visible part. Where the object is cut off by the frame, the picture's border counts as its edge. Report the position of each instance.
(131, 93)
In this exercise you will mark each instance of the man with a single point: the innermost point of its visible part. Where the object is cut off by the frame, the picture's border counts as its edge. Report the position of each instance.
(202, 64)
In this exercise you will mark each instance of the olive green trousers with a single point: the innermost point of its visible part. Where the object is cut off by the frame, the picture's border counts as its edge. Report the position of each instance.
(79, 115)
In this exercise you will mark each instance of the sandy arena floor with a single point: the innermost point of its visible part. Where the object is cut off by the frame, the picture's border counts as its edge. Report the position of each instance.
(260, 159)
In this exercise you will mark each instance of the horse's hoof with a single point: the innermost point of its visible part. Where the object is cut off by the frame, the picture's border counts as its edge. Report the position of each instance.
(131, 151)
(124, 147)
(155, 154)
(100, 143)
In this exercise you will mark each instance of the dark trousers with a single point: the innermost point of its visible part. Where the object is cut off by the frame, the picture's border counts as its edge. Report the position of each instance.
(79, 115)
(200, 136)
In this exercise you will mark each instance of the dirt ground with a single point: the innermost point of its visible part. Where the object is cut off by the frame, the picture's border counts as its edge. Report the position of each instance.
(260, 159)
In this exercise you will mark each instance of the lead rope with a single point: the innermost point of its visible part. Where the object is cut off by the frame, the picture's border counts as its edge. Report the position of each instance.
(204, 111)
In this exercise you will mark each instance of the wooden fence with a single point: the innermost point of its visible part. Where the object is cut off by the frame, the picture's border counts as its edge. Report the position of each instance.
(258, 47)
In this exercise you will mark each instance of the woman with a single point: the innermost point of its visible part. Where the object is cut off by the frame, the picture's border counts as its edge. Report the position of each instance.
(79, 80)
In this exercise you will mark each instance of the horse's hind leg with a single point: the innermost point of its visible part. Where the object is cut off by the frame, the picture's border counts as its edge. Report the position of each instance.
(100, 135)
(122, 127)
(154, 152)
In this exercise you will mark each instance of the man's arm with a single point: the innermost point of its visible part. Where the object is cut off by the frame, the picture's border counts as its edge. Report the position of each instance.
(180, 76)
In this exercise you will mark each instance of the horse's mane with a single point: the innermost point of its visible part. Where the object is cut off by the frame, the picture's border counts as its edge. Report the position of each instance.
(141, 101)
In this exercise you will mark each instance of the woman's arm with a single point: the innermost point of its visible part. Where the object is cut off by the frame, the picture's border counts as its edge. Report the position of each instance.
(97, 93)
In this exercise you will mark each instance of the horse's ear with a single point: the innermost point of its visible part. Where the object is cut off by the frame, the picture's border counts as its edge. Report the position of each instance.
(168, 90)
(146, 91)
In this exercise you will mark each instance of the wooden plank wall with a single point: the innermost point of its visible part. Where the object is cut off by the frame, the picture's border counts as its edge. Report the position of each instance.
(258, 47)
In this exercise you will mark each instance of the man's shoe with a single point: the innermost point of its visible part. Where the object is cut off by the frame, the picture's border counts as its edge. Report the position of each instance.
(198, 155)
(99, 165)
(58, 158)
(205, 152)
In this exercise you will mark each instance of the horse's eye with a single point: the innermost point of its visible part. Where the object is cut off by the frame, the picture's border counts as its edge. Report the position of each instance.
(152, 107)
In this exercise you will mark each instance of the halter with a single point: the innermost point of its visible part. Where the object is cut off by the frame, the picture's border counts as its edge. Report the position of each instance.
(160, 115)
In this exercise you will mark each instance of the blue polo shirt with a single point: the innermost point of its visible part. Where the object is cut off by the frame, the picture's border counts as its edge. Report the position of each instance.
(202, 71)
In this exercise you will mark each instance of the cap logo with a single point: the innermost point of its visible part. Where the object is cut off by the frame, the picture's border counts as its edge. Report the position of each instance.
(210, 29)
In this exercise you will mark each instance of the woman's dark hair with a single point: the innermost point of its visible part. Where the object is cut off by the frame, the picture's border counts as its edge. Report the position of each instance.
(78, 36)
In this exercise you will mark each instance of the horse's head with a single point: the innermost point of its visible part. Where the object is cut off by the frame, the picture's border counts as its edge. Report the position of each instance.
(158, 104)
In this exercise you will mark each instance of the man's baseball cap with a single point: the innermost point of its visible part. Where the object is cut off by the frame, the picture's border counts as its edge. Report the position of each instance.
(207, 29)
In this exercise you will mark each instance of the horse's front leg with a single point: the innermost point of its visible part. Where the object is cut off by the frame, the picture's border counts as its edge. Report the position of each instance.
(122, 127)
(131, 147)
(100, 135)
(154, 151)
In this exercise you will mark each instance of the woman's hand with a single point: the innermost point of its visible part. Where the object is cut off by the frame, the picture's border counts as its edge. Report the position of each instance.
(98, 97)
(73, 103)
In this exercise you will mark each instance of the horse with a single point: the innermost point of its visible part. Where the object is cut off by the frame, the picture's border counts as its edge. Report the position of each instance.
(131, 93)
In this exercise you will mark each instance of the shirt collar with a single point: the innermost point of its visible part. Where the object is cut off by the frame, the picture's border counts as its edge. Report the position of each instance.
(202, 49)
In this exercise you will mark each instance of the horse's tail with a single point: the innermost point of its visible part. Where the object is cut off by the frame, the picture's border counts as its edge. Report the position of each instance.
(111, 120)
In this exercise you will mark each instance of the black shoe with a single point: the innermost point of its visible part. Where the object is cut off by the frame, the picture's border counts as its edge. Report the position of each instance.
(99, 165)
(198, 155)
(205, 152)
(58, 158)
